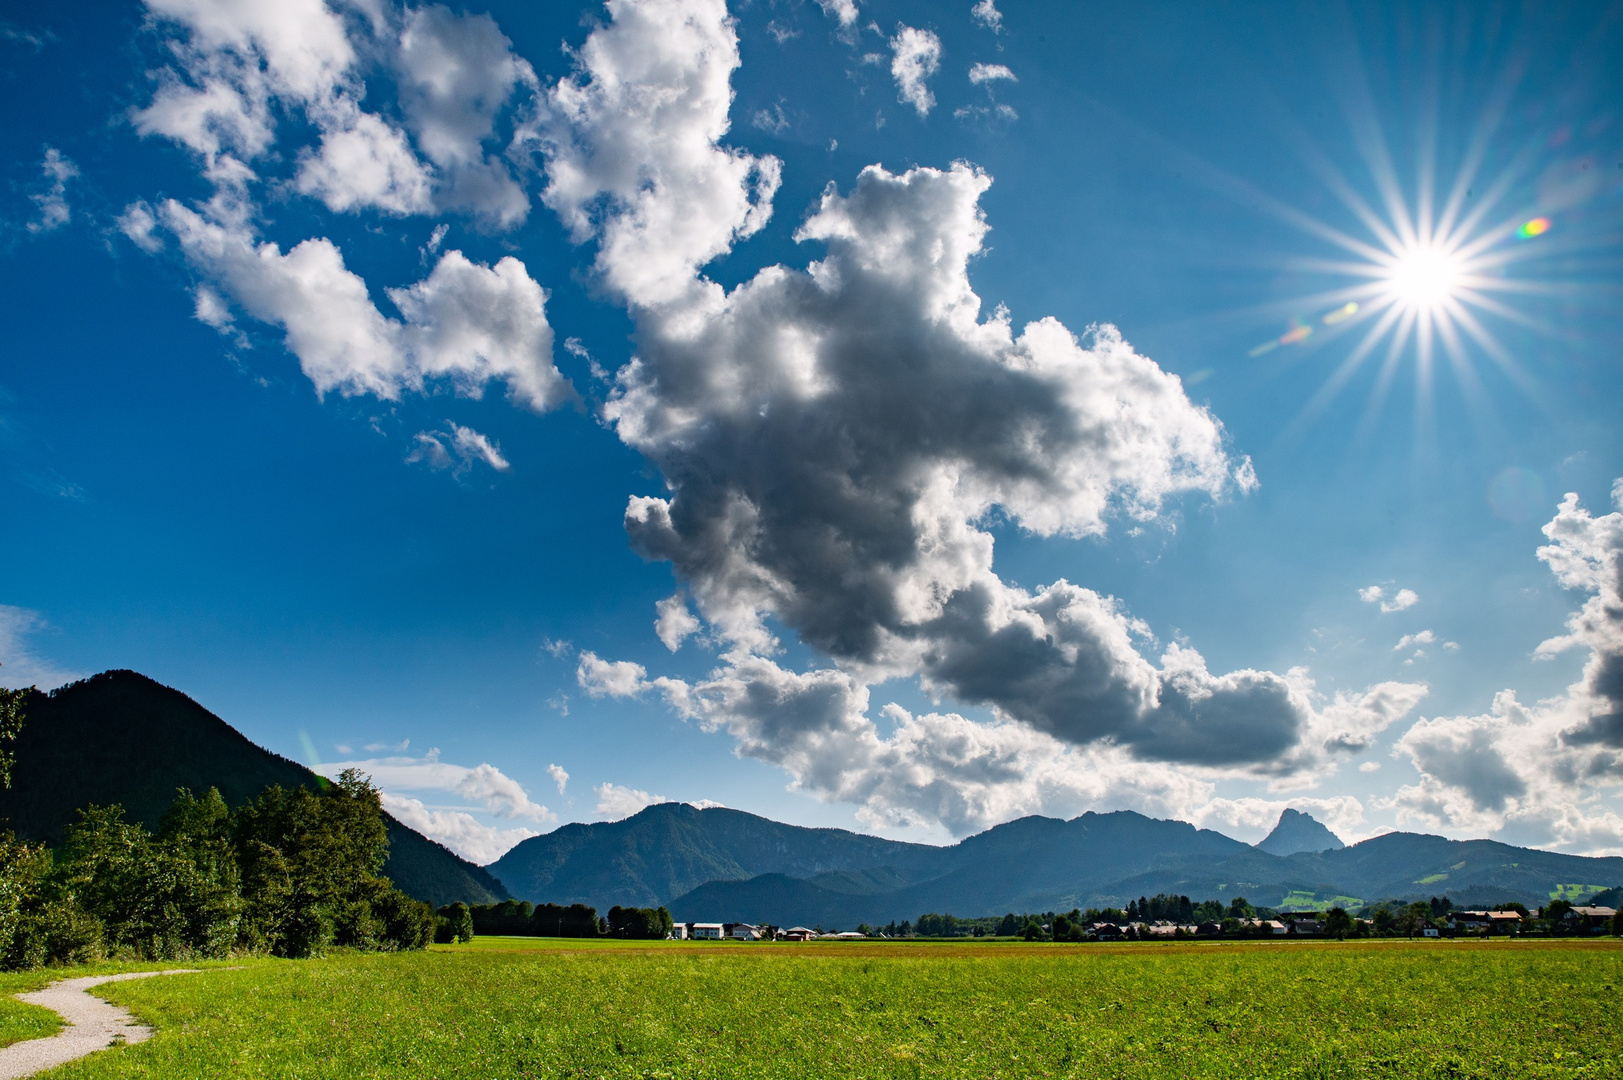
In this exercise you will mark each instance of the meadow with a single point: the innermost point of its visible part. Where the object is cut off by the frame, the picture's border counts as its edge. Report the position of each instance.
(520, 1008)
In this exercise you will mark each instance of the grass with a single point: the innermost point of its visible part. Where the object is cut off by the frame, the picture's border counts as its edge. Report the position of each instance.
(517, 1008)
(1306, 901)
(18, 1021)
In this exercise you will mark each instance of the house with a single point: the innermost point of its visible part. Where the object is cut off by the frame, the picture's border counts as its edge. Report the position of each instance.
(796, 933)
(1430, 931)
(1162, 930)
(1494, 922)
(1307, 926)
(679, 932)
(1209, 929)
(743, 932)
(1591, 920)
(1104, 931)
(706, 931)
(846, 935)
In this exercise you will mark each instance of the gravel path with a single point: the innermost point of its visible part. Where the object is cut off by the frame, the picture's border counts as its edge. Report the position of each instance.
(92, 1024)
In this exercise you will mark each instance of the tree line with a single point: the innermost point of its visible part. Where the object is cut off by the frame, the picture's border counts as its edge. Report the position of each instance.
(520, 918)
(291, 873)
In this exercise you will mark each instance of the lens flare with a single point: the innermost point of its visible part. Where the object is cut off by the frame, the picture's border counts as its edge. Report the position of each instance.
(1537, 227)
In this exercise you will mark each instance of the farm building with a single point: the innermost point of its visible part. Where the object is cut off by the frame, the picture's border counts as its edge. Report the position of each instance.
(706, 931)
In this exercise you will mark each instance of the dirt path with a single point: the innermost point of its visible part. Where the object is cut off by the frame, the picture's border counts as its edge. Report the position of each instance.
(92, 1024)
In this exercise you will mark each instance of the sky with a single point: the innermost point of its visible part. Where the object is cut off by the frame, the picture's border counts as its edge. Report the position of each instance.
(904, 417)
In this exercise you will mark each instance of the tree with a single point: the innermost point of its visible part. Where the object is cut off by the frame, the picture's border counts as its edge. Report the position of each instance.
(1555, 915)
(1416, 917)
(310, 867)
(1337, 923)
(1240, 908)
(1008, 926)
(455, 923)
(11, 725)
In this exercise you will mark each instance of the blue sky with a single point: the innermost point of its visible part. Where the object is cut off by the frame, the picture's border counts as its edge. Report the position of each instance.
(1015, 408)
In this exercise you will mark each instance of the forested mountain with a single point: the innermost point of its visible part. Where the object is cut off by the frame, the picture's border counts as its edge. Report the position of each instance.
(120, 737)
(727, 865)
(670, 848)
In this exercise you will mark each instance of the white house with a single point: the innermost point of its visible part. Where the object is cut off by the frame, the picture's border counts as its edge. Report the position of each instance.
(745, 932)
(706, 931)
(679, 932)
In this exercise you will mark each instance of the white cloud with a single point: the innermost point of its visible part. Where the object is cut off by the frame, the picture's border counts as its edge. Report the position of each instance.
(140, 225)
(1370, 766)
(675, 623)
(632, 154)
(20, 664)
(985, 73)
(52, 202)
(986, 13)
(1538, 774)
(915, 57)
(457, 73)
(457, 450)
(366, 163)
(465, 324)
(239, 66)
(615, 802)
(456, 829)
(484, 786)
(610, 678)
(1402, 600)
(559, 777)
(843, 11)
(1424, 637)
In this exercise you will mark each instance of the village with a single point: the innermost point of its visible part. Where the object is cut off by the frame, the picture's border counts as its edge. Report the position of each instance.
(1558, 919)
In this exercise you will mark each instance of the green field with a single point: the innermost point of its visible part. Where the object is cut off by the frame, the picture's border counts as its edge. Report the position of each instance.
(517, 1008)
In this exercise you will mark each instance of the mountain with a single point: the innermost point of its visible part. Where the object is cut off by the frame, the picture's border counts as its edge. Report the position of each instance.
(120, 737)
(670, 848)
(717, 864)
(1298, 831)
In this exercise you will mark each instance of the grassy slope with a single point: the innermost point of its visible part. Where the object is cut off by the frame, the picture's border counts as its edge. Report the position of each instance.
(516, 1008)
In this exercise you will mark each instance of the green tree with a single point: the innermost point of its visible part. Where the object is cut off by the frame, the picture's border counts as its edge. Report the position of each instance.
(1416, 917)
(454, 924)
(1337, 923)
(1240, 908)
(11, 725)
(1555, 915)
(310, 865)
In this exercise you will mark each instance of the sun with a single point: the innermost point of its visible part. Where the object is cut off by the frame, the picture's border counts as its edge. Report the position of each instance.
(1424, 278)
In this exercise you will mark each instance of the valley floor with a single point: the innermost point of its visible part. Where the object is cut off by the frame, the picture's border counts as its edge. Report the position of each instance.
(524, 1007)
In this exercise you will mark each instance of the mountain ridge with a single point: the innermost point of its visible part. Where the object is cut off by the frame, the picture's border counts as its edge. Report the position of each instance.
(121, 737)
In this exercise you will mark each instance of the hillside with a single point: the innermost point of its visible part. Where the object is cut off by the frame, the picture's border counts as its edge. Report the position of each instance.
(671, 848)
(120, 737)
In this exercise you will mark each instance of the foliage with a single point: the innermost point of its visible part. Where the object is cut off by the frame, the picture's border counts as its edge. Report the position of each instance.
(291, 873)
(11, 725)
(1463, 1010)
(520, 918)
(454, 923)
(640, 924)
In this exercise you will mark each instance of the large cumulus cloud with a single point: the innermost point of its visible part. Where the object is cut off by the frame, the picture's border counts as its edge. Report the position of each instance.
(837, 442)
(1537, 772)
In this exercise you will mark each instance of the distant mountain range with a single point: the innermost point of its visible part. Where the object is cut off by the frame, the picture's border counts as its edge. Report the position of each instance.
(120, 737)
(719, 864)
